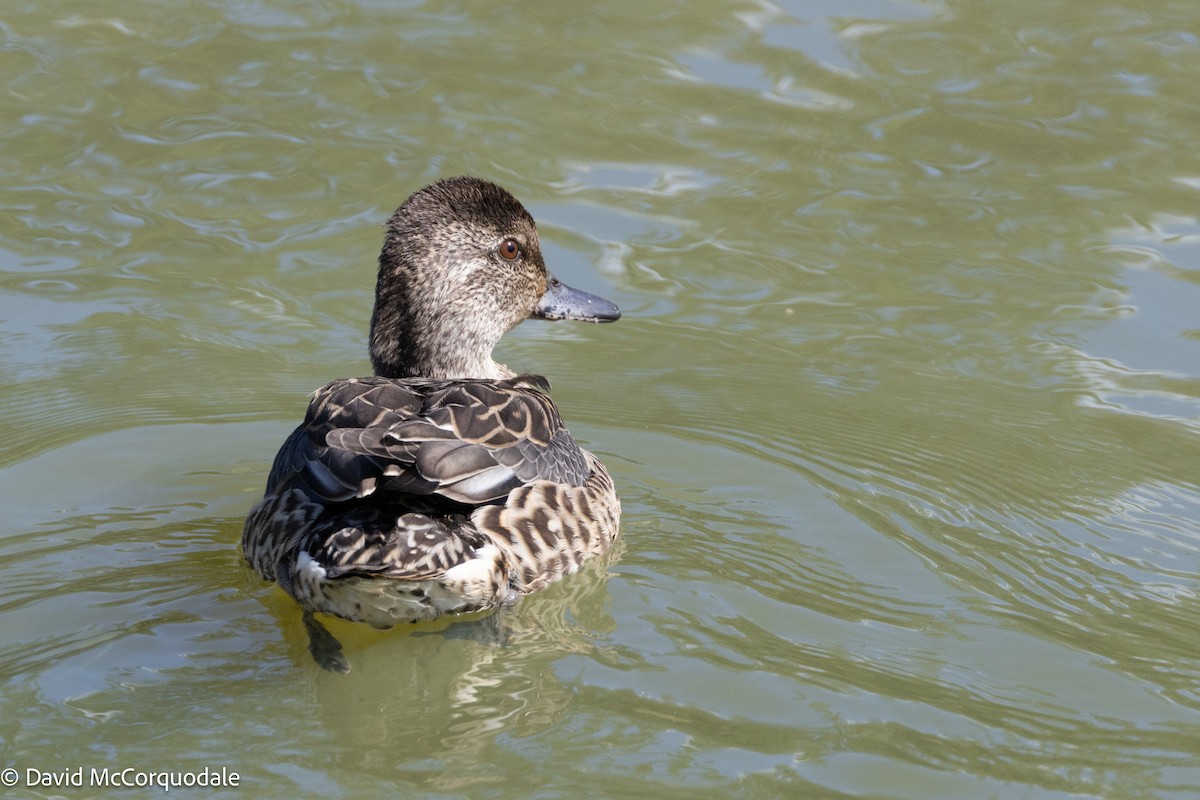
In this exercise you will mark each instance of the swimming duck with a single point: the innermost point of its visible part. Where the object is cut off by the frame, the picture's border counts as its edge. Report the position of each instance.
(445, 483)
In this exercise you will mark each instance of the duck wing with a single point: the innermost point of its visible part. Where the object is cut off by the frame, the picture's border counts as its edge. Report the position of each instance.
(470, 442)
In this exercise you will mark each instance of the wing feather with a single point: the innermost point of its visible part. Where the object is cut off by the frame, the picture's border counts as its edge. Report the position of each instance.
(471, 442)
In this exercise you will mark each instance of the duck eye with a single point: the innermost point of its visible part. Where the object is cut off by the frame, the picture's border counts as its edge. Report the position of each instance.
(510, 249)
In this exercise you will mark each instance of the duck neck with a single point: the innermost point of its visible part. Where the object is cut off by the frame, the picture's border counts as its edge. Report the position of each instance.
(410, 340)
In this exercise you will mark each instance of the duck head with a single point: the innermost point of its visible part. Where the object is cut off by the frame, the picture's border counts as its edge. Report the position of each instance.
(461, 266)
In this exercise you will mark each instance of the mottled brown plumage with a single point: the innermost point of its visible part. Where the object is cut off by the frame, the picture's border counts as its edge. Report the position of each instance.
(444, 484)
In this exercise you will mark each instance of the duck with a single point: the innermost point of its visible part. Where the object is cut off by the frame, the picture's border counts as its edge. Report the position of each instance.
(445, 483)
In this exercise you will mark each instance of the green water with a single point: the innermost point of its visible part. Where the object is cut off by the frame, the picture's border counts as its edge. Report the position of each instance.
(904, 408)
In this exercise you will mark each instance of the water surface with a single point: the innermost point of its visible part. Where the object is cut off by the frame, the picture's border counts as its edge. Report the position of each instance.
(904, 408)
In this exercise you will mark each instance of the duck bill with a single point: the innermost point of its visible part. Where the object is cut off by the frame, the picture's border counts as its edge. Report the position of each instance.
(562, 302)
